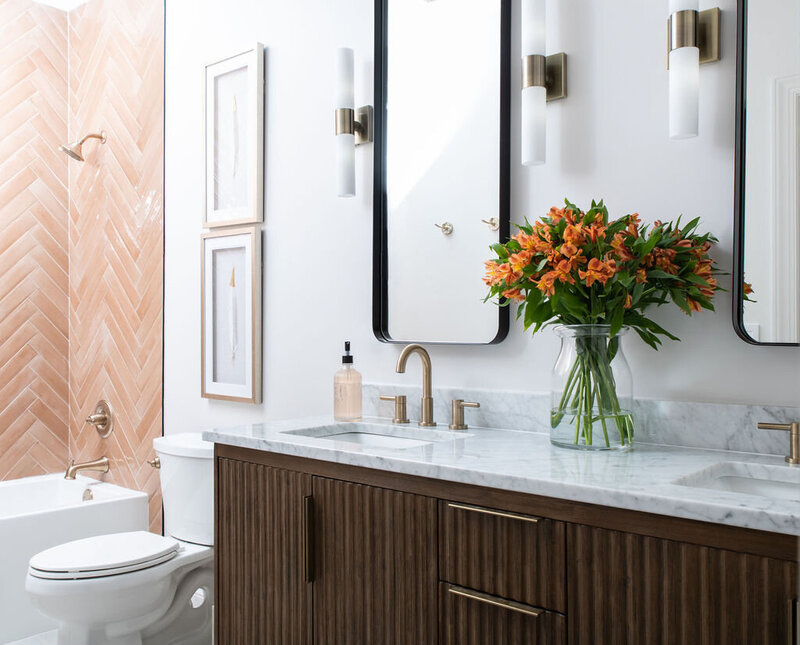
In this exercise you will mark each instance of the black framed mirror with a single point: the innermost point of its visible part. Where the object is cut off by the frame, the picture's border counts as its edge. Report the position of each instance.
(766, 280)
(441, 172)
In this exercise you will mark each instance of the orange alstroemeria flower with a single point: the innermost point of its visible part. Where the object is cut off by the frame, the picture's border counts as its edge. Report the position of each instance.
(628, 302)
(574, 234)
(622, 252)
(641, 275)
(703, 269)
(513, 294)
(684, 244)
(569, 250)
(546, 283)
(748, 288)
(633, 225)
(663, 259)
(595, 232)
(491, 278)
(519, 261)
(507, 274)
(708, 291)
(598, 271)
(563, 272)
(694, 306)
(527, 242)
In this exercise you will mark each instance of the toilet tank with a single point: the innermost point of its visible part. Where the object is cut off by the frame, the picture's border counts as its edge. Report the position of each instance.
(187, 486)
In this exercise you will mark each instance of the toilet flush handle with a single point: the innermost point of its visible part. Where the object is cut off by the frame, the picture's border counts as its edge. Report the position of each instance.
(155, 463)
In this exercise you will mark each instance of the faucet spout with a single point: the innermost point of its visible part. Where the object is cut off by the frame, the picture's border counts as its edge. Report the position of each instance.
(99, 465)
(427, 395)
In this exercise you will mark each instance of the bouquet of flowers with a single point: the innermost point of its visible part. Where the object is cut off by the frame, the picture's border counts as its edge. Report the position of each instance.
(579, 268)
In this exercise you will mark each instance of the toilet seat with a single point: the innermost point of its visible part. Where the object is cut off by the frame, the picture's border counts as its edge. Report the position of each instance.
(103, 556)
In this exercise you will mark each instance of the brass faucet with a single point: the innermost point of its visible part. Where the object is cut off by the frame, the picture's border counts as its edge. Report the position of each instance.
(794, 438)
(99, 465)
(427, 396)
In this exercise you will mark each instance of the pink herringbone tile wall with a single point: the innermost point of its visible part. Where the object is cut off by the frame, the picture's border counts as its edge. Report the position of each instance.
(116, 78)
(33, 244)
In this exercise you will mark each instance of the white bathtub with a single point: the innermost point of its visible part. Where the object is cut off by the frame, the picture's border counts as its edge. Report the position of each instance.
(39, 512)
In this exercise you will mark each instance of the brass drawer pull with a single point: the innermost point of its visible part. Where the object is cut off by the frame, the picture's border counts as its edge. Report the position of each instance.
(489, 600)
(308, 541)
(486, 511)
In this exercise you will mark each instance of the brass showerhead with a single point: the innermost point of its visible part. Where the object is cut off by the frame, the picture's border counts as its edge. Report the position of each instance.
(74, 150)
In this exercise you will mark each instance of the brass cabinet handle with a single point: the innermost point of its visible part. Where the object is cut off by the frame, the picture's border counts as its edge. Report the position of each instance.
(308, 541)
(486, 511)
(491, 600)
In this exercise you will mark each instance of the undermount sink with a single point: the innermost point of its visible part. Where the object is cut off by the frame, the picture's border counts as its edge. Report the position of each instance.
(376, 435)
(774, 482)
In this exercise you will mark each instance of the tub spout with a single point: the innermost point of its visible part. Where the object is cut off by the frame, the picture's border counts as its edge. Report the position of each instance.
(99, 465)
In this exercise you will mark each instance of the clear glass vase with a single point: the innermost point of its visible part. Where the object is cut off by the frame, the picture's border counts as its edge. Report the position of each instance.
(591, 390)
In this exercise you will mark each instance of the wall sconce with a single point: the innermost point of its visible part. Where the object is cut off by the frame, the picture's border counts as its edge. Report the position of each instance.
(544, 79)
(353, 127)
(693, 39)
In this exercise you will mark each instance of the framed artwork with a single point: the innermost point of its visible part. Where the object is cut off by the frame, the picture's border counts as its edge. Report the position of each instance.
(231, 315)
(234, 148)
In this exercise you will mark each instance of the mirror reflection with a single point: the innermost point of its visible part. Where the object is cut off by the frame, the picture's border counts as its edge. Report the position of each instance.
(771, 180)
(443, 181)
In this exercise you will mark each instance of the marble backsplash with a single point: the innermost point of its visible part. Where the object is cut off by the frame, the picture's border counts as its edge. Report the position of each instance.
(675, 423)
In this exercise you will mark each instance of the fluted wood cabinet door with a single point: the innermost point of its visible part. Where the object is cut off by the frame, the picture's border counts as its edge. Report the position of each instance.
(262, 596)
(376, 578)
(627, 589)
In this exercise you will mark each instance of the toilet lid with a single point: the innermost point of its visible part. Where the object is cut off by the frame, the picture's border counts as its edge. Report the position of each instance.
(104, 555)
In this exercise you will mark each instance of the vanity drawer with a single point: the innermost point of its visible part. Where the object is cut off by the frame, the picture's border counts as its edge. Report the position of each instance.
(473, 618)
(514, 556)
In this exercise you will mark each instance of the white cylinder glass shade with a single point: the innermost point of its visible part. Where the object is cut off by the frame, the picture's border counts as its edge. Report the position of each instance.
(684, 86)
(345, 72)
(533, 27)
(533, 112)
(345, 143)
(345, 165)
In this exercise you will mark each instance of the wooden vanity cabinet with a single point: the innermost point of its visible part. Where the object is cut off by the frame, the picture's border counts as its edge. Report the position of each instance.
(375, 579)
(313, 552)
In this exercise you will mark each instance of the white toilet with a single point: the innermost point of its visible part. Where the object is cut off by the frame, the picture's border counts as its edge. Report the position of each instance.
(140, 588)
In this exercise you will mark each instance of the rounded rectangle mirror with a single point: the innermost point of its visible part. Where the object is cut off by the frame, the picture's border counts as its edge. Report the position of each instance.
(766, 281)
(442, 93)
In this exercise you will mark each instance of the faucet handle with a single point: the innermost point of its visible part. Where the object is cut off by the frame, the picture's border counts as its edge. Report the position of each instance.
(457, 422)
(794, 438)
(400, 407)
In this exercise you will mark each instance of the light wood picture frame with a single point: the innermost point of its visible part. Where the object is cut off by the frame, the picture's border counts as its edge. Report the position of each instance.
(231, 303)
(234, 140)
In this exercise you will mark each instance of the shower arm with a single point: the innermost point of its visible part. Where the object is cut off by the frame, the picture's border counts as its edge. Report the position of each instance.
(93, 135)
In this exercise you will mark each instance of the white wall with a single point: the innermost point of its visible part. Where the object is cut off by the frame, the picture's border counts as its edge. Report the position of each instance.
(607, 139)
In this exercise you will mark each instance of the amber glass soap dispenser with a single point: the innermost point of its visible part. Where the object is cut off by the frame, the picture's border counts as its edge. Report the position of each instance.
(347, 390)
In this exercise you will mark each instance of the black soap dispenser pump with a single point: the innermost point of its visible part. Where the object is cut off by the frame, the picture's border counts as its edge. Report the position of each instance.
(347, 389)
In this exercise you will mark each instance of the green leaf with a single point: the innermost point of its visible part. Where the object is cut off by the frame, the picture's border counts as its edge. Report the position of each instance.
(655, 238)
(617, 318)
(500, 250)
(658, 274)
(694, 279)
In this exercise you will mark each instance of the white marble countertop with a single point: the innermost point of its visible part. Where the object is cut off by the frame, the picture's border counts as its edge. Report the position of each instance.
(639, 480)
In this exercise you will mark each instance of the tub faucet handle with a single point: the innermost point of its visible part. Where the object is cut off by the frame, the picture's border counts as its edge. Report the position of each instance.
(102, 418)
